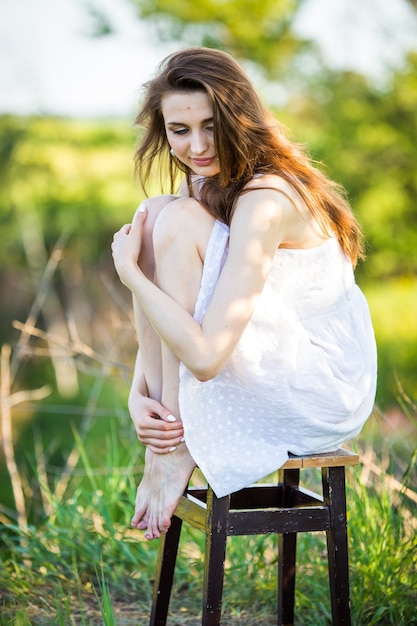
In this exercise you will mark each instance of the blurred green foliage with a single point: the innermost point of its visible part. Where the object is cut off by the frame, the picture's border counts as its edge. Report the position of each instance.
(367, 137)
(258, 31)
(59, 175)
(76, 176)
(365, 134)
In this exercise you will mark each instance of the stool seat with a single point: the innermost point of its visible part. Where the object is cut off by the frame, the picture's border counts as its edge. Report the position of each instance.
(284, 508)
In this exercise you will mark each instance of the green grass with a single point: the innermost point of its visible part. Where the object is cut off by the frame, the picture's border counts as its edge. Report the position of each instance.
(393, 306)
(84, 565)
(77, 561)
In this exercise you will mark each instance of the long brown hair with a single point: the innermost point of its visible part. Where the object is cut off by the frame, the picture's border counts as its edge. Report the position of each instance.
(248, 141)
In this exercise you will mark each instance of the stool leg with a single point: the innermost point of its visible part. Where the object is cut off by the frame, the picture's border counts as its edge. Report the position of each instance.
(287, 548)
(334, 492)
(167, 556)
(215, 553)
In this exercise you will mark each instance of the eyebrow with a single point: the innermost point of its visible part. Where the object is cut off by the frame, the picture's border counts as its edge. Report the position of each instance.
(206, 121)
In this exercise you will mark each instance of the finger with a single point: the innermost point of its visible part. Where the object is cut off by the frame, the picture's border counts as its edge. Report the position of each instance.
(141, 208)
(161, 446)
(152, 427)
(124, 230)
(160, 413)
(165, 415)
(171, 447)
(139, 216)
(159, 451)
(157, 442)
(147, 426)
(159, 435)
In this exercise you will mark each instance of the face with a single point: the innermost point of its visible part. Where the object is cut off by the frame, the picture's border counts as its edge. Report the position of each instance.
(188, 118)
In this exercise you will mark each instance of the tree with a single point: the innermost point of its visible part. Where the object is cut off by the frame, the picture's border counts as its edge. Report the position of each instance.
(260, 32)
(367, 138)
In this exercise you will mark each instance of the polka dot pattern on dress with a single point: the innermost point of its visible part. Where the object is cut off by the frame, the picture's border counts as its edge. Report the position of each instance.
(302, 378)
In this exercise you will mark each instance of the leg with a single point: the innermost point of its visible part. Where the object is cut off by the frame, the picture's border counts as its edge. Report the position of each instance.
(215, 554)
(168, 549)
(149, 342)
(180, 238)
(287, 547)
(334, 491)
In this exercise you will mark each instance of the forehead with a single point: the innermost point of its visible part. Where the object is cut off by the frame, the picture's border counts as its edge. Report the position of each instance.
(178, 106)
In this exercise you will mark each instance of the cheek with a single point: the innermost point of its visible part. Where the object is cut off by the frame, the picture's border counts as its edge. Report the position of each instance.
(172, 140)
(177, 145)
(181, 151)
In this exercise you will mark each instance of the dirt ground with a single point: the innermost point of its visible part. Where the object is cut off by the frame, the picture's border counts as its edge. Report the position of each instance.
(125, 614)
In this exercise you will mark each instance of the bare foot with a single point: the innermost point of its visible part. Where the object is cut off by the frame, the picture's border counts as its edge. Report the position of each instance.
(164, 481)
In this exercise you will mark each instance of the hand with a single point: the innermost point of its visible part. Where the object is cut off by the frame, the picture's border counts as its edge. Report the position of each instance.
(154, 424)
(126, 246)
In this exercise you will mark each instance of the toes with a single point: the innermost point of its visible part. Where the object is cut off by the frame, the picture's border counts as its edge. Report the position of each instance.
(141, 515)
(164, 524)
(140, 518)
(152, 531)
(142, 525)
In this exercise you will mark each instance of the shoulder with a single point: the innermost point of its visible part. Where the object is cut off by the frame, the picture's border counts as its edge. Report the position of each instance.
(276, 187)
(280, 201)
(269, 198)
(261, 215)
(270, 206)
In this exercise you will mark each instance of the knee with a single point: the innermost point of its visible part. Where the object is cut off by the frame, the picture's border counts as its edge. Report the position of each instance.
(154, 206)
(175, 223)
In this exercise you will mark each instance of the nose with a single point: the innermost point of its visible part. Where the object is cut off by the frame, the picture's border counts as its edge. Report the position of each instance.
(199, 143)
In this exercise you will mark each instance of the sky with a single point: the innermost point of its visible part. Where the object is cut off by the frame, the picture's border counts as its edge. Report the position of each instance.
(51, 64)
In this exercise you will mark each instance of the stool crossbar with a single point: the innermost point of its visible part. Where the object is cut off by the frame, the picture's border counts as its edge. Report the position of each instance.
(284, 508)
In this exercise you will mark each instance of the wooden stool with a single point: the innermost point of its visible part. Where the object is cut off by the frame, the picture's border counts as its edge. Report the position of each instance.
(284, 508)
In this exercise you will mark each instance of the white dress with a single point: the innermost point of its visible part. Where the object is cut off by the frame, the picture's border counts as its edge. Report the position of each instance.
(302, 378)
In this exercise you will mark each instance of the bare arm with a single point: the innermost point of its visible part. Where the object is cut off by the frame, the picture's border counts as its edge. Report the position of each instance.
(258, 227)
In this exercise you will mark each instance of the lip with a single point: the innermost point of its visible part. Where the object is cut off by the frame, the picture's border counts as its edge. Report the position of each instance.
(204, 162)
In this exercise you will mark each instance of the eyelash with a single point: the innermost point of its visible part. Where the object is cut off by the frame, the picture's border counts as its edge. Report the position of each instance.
(183, 131)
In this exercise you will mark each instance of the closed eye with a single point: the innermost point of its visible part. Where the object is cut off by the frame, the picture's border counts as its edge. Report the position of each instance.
(180, 131)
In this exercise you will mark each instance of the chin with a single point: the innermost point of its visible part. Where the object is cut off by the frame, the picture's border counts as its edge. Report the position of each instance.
(207, 172)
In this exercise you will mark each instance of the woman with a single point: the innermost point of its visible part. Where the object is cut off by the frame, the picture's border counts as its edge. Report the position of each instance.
(254, 339)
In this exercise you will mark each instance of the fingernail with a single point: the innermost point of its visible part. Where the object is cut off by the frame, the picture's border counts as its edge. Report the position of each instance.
(141, 208)
(172, 449)
(182, 439)
(171, 418)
